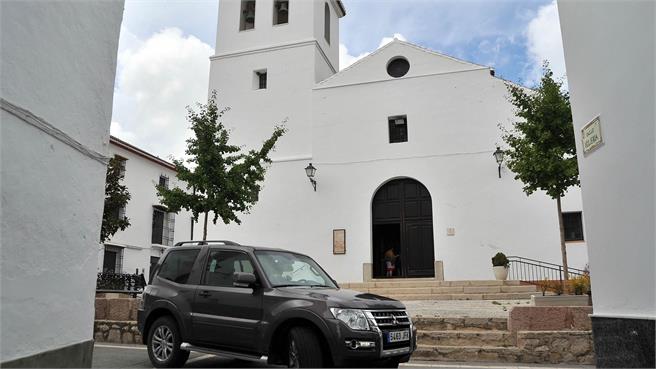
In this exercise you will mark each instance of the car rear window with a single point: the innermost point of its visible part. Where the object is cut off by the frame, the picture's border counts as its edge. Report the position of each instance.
(177, 265)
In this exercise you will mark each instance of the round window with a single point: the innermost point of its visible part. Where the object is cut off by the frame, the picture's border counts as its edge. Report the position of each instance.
(398, 67)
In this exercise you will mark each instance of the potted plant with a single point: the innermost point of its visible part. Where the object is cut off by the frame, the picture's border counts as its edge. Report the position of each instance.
(500, 265)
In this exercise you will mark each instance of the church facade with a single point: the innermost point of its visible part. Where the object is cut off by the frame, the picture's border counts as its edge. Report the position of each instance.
(402, 142)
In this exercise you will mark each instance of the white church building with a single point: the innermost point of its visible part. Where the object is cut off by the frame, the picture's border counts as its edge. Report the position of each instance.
(402, 143)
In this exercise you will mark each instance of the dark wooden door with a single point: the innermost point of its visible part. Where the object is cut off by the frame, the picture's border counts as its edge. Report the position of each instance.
(406, 203)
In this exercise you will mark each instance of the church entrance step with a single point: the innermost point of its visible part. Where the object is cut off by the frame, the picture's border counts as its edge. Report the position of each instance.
(470, 354)
(447, 290)
(460, 324)
(496, 338)
(407, 283)
(461, 296)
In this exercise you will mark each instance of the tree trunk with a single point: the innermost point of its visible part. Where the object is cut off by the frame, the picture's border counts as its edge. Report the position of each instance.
(563, 246)
(205, 228)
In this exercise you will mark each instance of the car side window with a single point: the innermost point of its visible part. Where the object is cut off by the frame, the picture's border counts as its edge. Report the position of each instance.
(222, 264)
(177, 265)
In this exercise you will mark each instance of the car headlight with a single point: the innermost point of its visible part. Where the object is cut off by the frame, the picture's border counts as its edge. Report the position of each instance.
(354, 318)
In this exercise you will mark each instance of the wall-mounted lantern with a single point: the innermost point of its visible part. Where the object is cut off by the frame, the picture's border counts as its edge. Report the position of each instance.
(310, 170)
(499, 156)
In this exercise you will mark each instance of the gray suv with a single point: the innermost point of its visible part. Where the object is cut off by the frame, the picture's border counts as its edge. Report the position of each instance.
(251, 303)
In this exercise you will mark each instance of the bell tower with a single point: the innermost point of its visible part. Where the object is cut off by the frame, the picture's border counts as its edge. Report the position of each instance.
(269, 55)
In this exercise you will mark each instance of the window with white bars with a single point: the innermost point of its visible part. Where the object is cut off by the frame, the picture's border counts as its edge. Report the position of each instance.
(113, 259)
(163, 229)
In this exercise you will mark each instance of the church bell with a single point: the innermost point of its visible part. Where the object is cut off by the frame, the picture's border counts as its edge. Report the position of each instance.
(283, 7)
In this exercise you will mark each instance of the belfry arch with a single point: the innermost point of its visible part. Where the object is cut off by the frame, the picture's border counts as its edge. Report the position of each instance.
(402, 219)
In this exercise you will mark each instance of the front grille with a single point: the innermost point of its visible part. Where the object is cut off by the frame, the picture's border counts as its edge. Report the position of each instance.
(393, 318)
(386, 321)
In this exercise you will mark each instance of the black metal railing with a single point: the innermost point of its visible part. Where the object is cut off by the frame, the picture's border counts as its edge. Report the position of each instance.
(120, 283)
(536, 271)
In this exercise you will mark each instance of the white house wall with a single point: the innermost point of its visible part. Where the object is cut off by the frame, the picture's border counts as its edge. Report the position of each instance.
(141, 176)
(58, 62)
(609, 51)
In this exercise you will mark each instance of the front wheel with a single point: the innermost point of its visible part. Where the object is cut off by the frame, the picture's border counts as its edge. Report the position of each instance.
(164, 344)
(304, 349)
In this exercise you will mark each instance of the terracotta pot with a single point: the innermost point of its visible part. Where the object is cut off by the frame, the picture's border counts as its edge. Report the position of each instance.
(500, 273)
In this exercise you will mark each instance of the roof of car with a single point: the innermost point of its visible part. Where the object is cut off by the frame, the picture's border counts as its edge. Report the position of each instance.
(229, 244)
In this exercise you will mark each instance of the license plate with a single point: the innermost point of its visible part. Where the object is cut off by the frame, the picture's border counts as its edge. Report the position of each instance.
(398, 336)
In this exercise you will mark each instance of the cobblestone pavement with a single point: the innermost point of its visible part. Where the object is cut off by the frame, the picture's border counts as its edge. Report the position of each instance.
(463, 308)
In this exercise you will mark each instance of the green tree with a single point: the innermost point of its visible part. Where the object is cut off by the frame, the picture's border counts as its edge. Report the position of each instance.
(542, 151)
(220, 178)
(116, 197)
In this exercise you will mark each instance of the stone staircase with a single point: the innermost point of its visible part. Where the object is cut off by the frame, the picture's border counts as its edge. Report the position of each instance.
(429, 289)
(488, 340)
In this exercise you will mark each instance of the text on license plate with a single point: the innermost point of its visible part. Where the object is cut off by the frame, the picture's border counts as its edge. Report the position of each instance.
(397, 336)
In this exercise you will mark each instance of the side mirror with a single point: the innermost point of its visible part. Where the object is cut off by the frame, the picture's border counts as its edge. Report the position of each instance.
(241, 279)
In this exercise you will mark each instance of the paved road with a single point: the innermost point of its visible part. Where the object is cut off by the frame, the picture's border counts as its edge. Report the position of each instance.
(135, 356)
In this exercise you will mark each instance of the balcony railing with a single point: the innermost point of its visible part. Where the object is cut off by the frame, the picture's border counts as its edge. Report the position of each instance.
(120, 283)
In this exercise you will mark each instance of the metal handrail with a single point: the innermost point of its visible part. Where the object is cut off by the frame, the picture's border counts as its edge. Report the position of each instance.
(535, 271)
(120, 283)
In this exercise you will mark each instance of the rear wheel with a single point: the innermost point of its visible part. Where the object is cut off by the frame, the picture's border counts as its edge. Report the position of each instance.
(164, 341)
(304, 349)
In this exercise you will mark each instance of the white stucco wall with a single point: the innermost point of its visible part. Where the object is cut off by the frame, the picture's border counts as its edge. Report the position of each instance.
(610, 57)
(59, 62)
(141, 176)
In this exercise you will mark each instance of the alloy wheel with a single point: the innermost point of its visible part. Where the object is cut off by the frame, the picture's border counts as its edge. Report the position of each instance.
(293, 355)
(162, 343)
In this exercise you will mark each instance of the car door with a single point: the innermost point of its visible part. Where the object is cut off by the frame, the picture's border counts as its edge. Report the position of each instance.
(224, 315)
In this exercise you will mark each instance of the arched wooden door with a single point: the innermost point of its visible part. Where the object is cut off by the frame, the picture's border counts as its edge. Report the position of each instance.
(403, 220)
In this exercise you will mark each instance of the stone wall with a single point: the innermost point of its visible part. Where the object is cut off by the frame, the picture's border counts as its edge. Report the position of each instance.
(115, 320)
(121, 308)
(549, 318)
(114, 331)
(555, 347)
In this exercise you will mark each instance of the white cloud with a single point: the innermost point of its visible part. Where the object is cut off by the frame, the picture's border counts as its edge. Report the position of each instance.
(545, 43)
(346, 59)
(157, 78)
(387, 40)
(117, 130)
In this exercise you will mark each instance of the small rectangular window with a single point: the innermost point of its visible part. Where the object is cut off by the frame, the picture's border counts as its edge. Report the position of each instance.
(260, 79)
(164, 181)
(573, 225)
(177, 265)
(247, 18)
(113, 260)
(221, 265)
(280, 12)
(398, 129)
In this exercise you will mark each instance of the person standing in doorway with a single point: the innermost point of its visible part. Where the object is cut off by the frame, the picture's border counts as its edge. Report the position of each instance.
(390, 262)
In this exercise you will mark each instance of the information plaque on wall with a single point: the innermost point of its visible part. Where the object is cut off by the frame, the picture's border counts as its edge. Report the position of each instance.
(339, 241)
(591, 136)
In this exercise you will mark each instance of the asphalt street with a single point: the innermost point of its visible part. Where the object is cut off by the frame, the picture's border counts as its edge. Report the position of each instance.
(135, 356)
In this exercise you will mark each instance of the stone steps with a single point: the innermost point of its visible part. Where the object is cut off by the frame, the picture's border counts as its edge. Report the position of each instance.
(462, 296)
(410, 283)
(460, 324)
(471, 354)
(495, 338)
(447, 290)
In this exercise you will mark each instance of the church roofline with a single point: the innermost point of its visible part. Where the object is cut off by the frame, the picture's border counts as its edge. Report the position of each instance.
(320, 85)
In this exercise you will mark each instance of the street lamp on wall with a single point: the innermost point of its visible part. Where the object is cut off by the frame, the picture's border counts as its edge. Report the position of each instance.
(310, 170)
(499, 156)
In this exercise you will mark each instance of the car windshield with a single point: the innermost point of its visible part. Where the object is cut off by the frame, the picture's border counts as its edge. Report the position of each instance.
(290, 270)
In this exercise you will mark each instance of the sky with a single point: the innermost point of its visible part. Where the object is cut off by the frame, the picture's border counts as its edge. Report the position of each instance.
(165, 45)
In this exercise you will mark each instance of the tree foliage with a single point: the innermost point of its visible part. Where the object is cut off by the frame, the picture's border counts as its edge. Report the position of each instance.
(542, 149)
(220, 178)
(116, 198)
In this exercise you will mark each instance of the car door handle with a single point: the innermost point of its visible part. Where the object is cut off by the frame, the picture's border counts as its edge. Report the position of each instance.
(204, 294)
